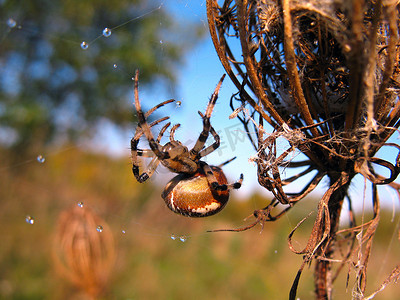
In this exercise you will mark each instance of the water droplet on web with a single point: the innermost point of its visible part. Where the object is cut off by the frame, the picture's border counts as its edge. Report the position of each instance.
(173, 237)
(29, 220)
(84, 45)
(123, 231)
(346, 48)
(161, 41)
(11, 23)
(183, 238)
(115, 66)
(40, 158)
(178, 104)
(99, 228)
(80, 204)
(106, 32)
(276, 251)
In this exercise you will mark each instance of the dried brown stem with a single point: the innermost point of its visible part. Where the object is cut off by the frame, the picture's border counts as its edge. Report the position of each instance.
(290, 59)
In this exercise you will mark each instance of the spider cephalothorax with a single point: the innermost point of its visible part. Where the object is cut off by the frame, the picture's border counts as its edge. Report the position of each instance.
(198, 190)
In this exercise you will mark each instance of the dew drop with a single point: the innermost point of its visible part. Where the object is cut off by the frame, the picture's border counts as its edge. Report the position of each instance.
(99, 228)
(161, 41)
(29, 220)
(84, 45)
(347, 48)
(276, 251)
(115, 66)
(11, 23)
(183, 238)
(106, 32)
(80, 204)
(123, 231)
(178, 103)
(40, 158)
(173, 237)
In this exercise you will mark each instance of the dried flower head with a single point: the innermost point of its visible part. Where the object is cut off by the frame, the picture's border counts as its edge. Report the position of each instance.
(325, 76)
(84, 250)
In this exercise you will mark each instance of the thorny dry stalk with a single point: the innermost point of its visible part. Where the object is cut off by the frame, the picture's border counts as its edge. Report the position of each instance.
(325, 75)
(84, 251)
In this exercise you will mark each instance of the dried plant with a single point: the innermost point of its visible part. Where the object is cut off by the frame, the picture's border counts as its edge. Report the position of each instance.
(325, 76)
(84, 250)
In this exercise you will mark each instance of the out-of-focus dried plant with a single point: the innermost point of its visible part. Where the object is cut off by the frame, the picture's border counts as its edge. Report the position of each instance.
(325, 75)
(84, 250)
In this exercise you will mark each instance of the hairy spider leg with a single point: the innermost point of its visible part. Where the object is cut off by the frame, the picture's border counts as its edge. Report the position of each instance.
(135, 152)
(152, 166)
(155, 146)
(172, 132)
(139, 131)
(213, 146)
(226, 162)
(135, 140)
(208, 171)
(206, 122)
(212, 180)
(150, 111)
(148, 152)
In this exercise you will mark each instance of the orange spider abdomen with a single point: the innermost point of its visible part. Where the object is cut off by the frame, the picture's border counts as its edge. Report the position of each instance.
(191, 195)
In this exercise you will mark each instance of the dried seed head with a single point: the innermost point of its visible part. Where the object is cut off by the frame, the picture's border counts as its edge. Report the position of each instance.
(83, 254)
(324, 74)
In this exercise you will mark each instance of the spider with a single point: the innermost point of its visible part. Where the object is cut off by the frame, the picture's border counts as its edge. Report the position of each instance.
(199, 189)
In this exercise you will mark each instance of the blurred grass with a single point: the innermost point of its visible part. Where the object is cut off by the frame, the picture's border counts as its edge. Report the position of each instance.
(150, 265)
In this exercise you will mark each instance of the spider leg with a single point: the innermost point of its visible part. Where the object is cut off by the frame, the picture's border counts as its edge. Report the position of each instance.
(150, 111)
(212, 147)
(139, 131)
(144, 152)
(226, 162)
(172, 132)
(151, 167)
(161, 133)
(154, 145)
(206, 122)
(148, 152)
(213, 180)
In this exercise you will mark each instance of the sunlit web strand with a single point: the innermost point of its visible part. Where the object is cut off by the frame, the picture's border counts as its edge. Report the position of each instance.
(19, 26)
(123, 24)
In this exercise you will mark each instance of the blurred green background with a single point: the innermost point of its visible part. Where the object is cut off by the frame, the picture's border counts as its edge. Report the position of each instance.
(150, 265)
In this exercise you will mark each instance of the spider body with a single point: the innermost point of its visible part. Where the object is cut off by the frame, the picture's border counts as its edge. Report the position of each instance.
(199, 189)
(179, 160)
(192, 196)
